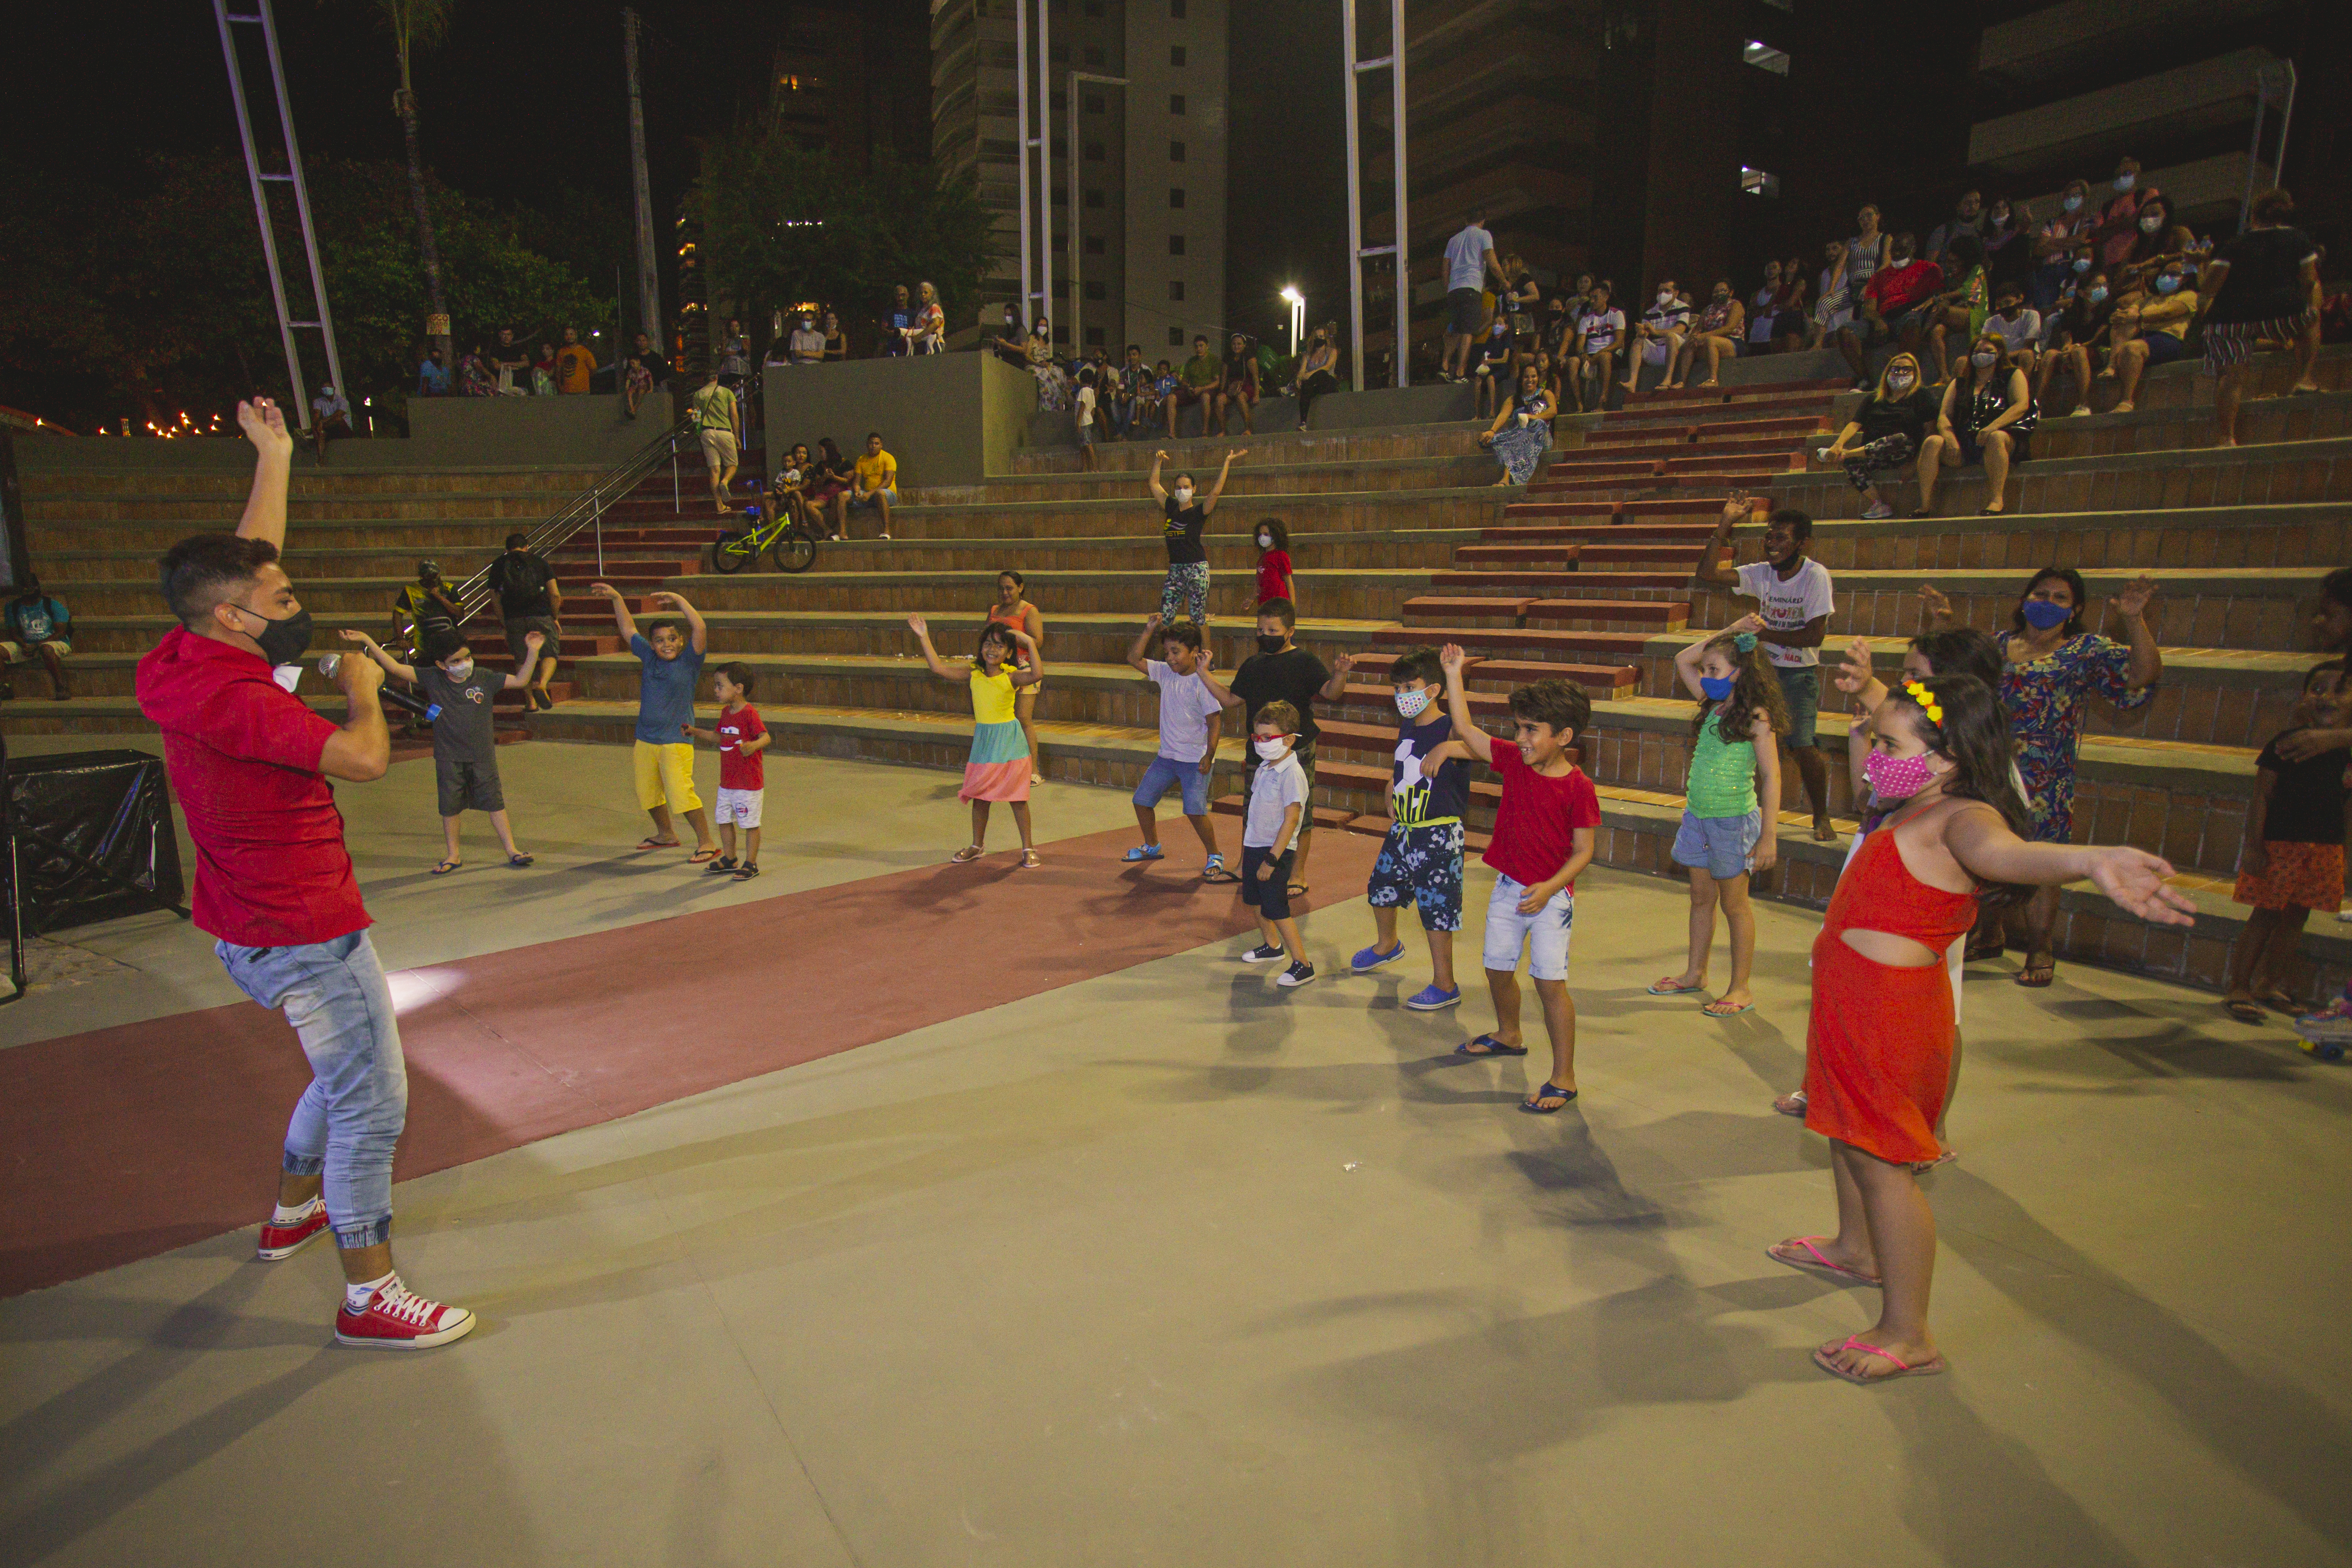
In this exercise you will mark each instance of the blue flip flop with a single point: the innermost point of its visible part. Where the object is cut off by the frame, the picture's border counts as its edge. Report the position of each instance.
(1549, 1088)
(1493, 1047)
(1145, 853)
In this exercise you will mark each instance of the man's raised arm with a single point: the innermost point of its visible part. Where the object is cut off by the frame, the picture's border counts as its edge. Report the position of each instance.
(264, 509)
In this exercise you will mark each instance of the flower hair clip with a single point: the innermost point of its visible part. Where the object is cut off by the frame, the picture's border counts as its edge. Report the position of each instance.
(1926, 701)
(1745, 641)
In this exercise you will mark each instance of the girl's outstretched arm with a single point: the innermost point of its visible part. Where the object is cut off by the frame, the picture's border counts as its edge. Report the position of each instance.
(922, 632)
(2133, 879)
(1687, 665)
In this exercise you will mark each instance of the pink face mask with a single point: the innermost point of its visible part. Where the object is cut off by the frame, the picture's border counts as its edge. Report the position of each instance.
(1893, 778)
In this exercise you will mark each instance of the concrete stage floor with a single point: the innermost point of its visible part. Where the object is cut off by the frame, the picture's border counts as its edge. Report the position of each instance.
(1167, 1267)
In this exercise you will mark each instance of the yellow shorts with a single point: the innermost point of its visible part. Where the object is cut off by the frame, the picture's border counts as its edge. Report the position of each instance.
(666, 777)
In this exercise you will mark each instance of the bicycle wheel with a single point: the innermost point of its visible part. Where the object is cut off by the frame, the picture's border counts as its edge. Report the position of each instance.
(731, 554)
(794, 549)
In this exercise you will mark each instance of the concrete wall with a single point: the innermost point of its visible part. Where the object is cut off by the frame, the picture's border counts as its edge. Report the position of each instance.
(949, 418)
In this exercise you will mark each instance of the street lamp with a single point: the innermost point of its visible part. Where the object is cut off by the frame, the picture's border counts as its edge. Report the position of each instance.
(1297, 303)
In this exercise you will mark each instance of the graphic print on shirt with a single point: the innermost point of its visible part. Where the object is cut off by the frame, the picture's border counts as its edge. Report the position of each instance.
(1419, 795)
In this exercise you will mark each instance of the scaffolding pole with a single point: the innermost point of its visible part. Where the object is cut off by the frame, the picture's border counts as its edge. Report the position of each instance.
(1358, 252)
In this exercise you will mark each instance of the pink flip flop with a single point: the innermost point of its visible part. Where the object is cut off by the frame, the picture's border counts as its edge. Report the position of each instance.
(1818, 1260)
(1928, 1368)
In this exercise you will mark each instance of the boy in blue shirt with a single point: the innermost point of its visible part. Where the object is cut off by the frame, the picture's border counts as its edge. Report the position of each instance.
(1421, 858)
(671, 664)
(35, 625)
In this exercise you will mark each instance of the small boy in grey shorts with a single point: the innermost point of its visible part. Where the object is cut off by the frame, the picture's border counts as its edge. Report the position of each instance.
(465, 744)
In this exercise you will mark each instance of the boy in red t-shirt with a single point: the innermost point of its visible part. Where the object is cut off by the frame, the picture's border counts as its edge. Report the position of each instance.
(1543, 837)
(742, 772)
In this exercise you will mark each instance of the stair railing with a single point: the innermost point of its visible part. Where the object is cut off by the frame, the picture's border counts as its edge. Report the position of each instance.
(586, 510)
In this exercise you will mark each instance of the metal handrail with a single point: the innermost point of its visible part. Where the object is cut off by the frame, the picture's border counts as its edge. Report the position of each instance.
(586, 510)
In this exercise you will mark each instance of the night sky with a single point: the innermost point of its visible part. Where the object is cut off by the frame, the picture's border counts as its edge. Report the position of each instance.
(527, 94)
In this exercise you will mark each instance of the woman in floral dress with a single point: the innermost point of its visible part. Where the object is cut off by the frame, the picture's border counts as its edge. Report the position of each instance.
(2054, 666)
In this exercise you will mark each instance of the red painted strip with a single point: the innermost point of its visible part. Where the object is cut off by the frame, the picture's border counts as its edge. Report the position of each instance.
(124, 1143)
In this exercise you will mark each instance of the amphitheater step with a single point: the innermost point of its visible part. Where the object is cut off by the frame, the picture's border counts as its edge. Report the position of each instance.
(1583, 580)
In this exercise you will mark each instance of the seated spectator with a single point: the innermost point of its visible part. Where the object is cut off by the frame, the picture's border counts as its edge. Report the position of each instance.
(34, 625)
(2158, 241)
(734, 356)
(1125, 383)
(2078, 337)
(1238, 385)
(2055, 241)
(1762, 309)
(1490, 372)
(1197, 381)
(1522, 429)
(1144, 401)
(1599, 338)
(2016, 326)
(1833, 303)
(1968, 219)
(646, 370)
(542, 371)
(474, 376)
(509, 362)
(1521, 300)
(1318, 368)
(874, 483)
(1789, 315)
(2151, 328)
(2262, 285)
(928, 332)
(1987, 416)
(1887, 432)
(1890, 306)
(2009, 241)
(898, 325)
(331, 419)
(836, 342)
(827, 479)
(805, 344)
(1053, 381)
(1870, 249)
(2118, 221)
(1659, 336)
(575, 364)
(787, 493)
(1164, 384)
(1960, 310)
(1715, 334)
(432, 375)
(1556, 328)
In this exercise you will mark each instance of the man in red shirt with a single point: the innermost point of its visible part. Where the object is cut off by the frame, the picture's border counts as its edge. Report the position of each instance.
(1889, 307)
(249, 762)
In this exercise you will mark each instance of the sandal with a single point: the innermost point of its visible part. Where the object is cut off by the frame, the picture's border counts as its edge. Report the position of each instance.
(1670, 987)
(1715, 1009)
(1550, 1090)
(1928, 1368)
(519, 859)
(2278, 1001)
(2047, 967)
(445, 868)
(1816, 1260)
(746, 872)
(1791, 1104)
(1488, 1045)
(702, 857)
(1029, 861)
(1977, 951)
(966, 855)
(2245, 1011)
(1215, 871)
(1297, 890)
(1921, 1167)
(658, 843)
(720, 866)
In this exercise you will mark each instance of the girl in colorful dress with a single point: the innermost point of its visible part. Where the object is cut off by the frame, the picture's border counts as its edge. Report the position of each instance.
(2053, 667)
(1878, 1049)
(2292, 861)
(1014, 612)
(998, 768)
(1732, 801)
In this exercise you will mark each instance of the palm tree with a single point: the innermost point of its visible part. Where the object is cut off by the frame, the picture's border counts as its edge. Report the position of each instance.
(419, 24)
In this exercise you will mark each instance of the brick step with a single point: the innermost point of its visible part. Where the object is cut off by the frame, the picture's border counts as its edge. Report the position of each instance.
(1791, 426)
(2280, 472)
(1757, 457)
(1477, 673)
(2305, 538)
(1749, 446)
(1470, 466)
(1754, 392)
(1342, 593)
(1232, 552)
(1648, 408)
(1584, 579)
(1477, 555)
(1603, 464)
(1470, 507)
(1440, 439)
(1633, 612)
(1602, 530)
(1638, 435)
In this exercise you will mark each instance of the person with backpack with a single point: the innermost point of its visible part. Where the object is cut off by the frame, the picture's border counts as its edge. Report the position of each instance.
(529, 600)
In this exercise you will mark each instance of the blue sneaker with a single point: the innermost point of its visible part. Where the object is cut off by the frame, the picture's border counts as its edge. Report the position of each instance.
(1429, 999)
(1145, 853)
(1372, 958)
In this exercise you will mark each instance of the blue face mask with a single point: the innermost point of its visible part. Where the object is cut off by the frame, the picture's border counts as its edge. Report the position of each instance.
(2041, 615)
(2097, 294)
(2081, 264)
(2167, 284)
(1716, 688)
(2073, 202)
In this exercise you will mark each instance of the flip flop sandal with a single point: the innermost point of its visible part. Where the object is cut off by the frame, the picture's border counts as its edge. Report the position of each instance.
(1923, 1166)
(658, 843)
(1492, 1047)
(1717, 1010)
(1818, 1260)
(2048, 971)
(1551, 1091)
(2246, 1012)
(445, 868)
(966, 855)
(1928, 1368)
(1219, 875)
(519, 860)
(2278, 1001)
(1791, 1104)
(702, 857)
(1666, 987)
(1029, 861)
(1981, 951)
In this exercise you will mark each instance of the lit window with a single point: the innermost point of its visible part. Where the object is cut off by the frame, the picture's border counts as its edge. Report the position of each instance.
(1764, 56)
(1756, 183)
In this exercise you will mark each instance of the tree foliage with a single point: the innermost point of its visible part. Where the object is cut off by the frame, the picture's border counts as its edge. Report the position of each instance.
(780, 222)
(144, 303)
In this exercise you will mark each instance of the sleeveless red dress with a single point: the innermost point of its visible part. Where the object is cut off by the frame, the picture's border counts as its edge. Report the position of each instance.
(1879, 1045)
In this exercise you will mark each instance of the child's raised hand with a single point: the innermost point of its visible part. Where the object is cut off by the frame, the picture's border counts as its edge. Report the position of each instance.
(676, 599)
(1152, 620)
(604, 591)
(2134, 879)
(1450, 658)
(1932, 600)
(1735, 507)
(919, 626)
(1856, 672)
(2132, 603)
(1749, 623)
(348, 635)
(1343, 664)
(534, 640)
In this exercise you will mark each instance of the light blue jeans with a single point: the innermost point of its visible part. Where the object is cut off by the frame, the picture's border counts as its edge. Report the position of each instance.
(348, 1121)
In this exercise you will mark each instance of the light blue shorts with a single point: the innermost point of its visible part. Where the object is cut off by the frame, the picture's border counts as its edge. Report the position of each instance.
(1722, 847)
(1185, 776)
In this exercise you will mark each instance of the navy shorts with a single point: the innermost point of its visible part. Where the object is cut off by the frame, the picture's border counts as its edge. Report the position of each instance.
(1422, 865)
(1270, 897)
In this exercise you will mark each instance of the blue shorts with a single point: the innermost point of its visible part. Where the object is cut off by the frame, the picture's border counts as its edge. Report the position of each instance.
(1423, 864)
(1800, 688)
(1719, 846)
(2163, 347)
(1185, 776)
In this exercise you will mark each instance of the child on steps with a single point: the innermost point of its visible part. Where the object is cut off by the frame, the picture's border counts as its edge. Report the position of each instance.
(2293, 859)
(998, 768)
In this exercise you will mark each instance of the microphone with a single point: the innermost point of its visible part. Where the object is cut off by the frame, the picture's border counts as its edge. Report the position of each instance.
(391, 696)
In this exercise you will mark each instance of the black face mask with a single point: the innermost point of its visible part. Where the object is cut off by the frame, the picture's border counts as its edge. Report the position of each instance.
(1266, 644)
(282, 641)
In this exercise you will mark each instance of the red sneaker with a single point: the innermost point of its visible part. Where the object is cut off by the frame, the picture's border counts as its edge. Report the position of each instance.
(285, 1241)
(397, 1318)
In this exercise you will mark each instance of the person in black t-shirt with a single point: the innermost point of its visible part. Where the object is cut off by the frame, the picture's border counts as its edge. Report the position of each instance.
(896, 325)
(2293, 858)
(1280, 671)
(643, 371)
(2261, 287)
(529, 601)
(1183, 520)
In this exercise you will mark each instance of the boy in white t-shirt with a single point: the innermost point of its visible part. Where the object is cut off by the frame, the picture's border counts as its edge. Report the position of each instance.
(1270, 829)
(1793, 594)
(1088, 400)
(1190, 716)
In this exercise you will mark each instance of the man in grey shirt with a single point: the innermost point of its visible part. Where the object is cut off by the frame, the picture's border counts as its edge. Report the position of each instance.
(465, 743)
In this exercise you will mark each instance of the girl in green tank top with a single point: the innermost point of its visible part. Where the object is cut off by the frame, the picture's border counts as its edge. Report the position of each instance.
(1731, 799)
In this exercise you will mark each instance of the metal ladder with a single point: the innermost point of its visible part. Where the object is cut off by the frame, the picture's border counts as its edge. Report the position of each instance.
(322, 323)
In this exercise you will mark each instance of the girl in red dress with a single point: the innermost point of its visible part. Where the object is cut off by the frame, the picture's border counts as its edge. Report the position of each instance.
(1879, 1046)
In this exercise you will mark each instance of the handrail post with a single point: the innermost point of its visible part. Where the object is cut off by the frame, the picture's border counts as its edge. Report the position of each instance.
(675, 504)
(599, 503)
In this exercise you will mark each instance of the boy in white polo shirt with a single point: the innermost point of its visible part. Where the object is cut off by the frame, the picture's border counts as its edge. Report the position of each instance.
(1191, 715)
(1793, 593)
(1270, 829)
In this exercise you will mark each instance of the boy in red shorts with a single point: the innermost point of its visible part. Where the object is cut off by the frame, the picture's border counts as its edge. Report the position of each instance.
(743, 771)
(2293, 860)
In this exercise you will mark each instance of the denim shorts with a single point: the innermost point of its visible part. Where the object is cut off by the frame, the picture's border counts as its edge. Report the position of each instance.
(1800, 688)
(1721, 846)
(1185, 776)
(1544, 933)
